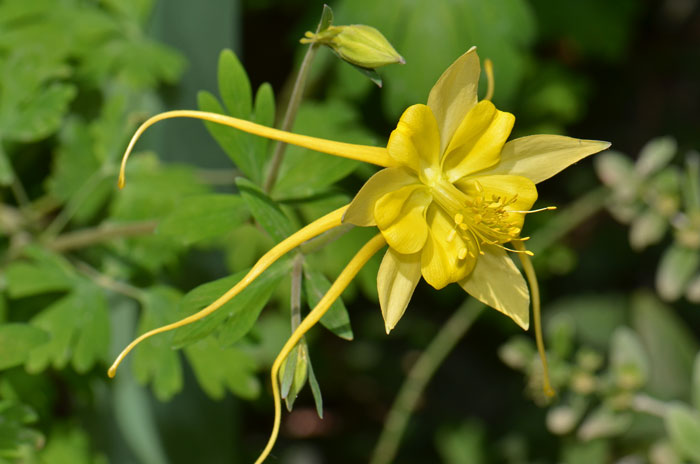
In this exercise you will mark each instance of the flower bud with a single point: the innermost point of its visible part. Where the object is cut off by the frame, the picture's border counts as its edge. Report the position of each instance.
(358, 44)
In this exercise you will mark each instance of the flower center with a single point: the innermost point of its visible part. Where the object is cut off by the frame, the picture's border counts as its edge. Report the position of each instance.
(478, 218)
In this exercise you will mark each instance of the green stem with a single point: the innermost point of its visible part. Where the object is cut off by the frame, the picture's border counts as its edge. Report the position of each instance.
(455, 328)
(76, 202)
(107, 282)
(87, 237)
(290, 116)
(419, 376)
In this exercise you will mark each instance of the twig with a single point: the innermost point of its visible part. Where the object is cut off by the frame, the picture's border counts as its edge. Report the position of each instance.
(419, 376)
(107, 282)
(86, 237)
(290, 115)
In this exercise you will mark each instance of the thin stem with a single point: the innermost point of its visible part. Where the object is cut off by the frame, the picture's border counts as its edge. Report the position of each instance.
(340, 284)
(536, 314)
(395, 425)
(87, 237)
(107, 282)
(20, 193)
(290, 115)
(295, 293)
(66, 214)
(419, 376)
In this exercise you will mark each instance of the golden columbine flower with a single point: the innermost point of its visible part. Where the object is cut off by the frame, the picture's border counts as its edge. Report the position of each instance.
(451, 195)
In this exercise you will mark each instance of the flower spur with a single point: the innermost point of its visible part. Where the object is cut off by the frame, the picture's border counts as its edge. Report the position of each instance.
(453, 193)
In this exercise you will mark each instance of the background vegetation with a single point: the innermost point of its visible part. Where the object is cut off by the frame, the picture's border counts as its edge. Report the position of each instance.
(84, 267)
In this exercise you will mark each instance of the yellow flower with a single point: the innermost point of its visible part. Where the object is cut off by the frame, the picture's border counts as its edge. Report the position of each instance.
(452, 195)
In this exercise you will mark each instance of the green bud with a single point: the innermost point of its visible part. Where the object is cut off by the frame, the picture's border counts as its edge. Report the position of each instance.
(357, 44)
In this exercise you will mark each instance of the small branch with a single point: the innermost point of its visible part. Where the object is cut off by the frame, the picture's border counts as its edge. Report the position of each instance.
(87, 237)
(290, 115)
(107, 282)
(419, 376)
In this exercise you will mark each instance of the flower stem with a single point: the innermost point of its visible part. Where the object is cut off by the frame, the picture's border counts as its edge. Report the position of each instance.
(291, 114)
(419, 376)
(340, 284)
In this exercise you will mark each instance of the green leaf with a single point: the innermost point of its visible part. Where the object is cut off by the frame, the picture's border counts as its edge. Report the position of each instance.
(336, 318)
(18, 441)
(40, 116)
(307, 172)
(677, 266)
(218, 369)
(683, 428)
(464, 444)
(265, 211)
(647, 229)
(668, 343)
(235, 318)
(315, 390)
(79, 327)
(234, 86)
(203, 217)
(370, 74)
(16, 341)
(264, 113)
(155, 361)
(46, 272)
(70, 446)
(629, 361)
(235, 143)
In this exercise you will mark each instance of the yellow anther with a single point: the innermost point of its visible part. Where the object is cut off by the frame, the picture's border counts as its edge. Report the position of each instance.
(451, 235)
(459, 218)
(462, 253)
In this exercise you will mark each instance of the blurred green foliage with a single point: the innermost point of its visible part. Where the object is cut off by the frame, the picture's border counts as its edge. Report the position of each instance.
(84, 267)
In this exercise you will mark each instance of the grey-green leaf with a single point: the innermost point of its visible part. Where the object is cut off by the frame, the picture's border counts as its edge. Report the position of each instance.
(683, 428)
(677, 266)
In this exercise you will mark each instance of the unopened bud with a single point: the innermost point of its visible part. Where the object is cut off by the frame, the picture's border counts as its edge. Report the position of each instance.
(358, 44)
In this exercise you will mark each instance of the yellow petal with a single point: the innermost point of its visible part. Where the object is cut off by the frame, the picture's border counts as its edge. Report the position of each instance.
(415, 142)
(440, 260)
(496, 282)
(539, 157)
(505, 187)
(400, 216)
(478, 141)
(361, 210)
(454, 94)
(397, 279)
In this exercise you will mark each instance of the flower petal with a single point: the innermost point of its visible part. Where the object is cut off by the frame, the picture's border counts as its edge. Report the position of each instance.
(506, 187)
(454, 94)
(496, 282)
(400, 216)
(440, 261)
(361, 210)
(539, 157)
(478, 141)
(397, 279)
(415, 142)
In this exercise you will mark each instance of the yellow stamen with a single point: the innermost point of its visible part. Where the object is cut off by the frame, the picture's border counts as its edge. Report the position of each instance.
(546, 208)
(535, 295)
(317, 227)
(488, 69)
(345, 277)
(365, 153)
